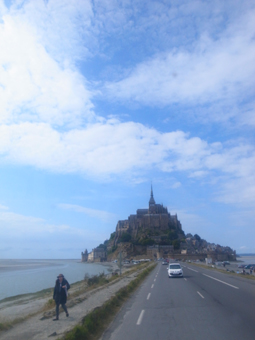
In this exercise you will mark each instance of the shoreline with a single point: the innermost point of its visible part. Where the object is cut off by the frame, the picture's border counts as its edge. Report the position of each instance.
(13, 297)
(39, 325)
(40, 276)
(13, 307)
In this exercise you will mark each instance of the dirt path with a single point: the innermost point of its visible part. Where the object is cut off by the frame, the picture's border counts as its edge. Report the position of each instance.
(38, 327)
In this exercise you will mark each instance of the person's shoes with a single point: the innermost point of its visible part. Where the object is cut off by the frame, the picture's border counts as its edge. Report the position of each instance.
(67, 314)
(56, 319)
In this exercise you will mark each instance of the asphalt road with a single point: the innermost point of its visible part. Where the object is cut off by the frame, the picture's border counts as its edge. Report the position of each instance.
(202, 305)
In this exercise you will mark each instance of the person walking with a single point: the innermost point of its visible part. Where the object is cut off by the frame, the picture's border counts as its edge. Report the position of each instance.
(60, 294)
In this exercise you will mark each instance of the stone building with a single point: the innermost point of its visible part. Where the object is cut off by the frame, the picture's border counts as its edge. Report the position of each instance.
(97, 255)
(160, 251)
(156, 218)
(84, 256)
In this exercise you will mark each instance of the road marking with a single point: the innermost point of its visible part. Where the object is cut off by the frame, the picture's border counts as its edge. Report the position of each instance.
(200, 295)
(140, 318)
(154, 280)
(152, 286)
(192, 269)
(148, 296)
(225, 283)
(185, 279)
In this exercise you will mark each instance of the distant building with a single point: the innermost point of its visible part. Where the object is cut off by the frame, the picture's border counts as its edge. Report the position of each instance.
(97, 255)
(84, 256)
(156, 217)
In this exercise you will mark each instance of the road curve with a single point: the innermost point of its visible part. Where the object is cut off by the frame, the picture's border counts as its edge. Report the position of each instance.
(202, 305)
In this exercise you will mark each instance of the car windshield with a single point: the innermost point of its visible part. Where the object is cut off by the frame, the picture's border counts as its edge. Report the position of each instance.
(174, 266)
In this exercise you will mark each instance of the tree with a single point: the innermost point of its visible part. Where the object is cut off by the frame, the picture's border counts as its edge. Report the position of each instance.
(147, 242)
(172, 235)
(197, 237)
(112, 235)
(125, 237)
(176, 244)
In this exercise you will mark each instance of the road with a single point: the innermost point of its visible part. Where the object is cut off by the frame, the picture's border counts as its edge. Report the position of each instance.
(204, 304)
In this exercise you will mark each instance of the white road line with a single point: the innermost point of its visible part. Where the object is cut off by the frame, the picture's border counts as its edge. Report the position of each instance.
(225, 283)
(200, 295)
(152, 286)
(154, 280)
(148, 296)
(185, 279)
(140, 318)
(192, 269)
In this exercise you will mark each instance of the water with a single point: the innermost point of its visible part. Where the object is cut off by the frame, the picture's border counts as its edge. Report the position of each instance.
(246, 259)
(30, 276)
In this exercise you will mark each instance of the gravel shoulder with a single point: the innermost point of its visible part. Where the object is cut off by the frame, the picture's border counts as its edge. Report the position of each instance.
(41, 326)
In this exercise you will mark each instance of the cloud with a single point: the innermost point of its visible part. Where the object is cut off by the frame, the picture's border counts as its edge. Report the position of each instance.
(176, 185)
(48, 119)
(191, 222)
(59, 25)
(3, 207)
(219, 71)
(100, 214)
(125, 148)
(33, 85)
(17, 227)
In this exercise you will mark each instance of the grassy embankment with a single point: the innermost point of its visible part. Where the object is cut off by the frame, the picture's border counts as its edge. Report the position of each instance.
(78, 289)
(228, 272)
(94, 324)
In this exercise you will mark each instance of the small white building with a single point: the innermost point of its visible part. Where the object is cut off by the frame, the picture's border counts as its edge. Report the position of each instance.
(97, 254)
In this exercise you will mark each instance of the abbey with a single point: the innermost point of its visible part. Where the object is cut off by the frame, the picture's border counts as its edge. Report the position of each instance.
(156, 219)
(154, 233)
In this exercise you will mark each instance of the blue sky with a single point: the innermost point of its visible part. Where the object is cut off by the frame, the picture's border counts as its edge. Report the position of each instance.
(99, 98)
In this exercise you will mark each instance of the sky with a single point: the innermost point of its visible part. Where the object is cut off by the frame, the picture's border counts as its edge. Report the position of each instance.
(99, 99)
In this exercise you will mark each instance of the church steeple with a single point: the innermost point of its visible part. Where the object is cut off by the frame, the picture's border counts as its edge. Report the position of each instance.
(151, 201)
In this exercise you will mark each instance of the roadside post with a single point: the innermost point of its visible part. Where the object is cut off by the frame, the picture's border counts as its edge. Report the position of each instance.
(120, 261)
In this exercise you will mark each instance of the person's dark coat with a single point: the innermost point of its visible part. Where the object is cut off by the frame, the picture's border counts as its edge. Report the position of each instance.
(59, 294)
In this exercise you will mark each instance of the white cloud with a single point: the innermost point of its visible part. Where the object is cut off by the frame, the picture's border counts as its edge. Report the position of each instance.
(176, 185)
(114, 148)
(41, 92)
(198, 174)
(21, 225)
(95, 213)
(59, 25)
(15, 226)
(219, 71)
(191, 222)
(33, 85)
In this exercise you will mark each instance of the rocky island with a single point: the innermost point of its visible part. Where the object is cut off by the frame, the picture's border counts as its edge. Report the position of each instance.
(155, 233)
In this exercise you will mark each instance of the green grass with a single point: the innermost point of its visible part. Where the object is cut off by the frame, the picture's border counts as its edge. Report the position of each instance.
(96, 321)
(88, 284)
(4, 326)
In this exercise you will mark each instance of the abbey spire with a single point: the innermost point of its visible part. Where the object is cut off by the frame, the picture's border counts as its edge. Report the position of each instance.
(151, 201)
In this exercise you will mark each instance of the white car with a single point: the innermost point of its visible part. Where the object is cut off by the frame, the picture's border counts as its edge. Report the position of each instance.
(175, 270)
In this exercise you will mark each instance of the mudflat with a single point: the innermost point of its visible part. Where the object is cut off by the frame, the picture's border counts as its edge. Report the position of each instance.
(38, 324)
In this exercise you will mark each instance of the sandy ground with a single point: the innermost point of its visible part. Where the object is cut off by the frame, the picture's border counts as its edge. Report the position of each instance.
(24, 305)
(41, 326)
